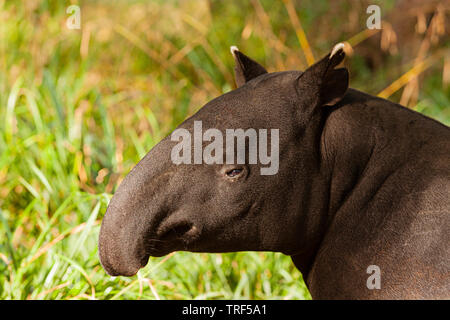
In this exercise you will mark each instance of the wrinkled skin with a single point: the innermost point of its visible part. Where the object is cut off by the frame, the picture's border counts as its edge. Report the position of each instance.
(361, 181)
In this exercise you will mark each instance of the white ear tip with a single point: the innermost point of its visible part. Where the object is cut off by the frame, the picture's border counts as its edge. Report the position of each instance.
(336, 48)
(233, 50)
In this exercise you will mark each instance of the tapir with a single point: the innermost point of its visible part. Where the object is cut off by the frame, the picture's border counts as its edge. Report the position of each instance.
(360, 200)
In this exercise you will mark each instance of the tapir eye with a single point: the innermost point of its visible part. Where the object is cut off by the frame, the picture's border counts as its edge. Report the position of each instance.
(234, 172)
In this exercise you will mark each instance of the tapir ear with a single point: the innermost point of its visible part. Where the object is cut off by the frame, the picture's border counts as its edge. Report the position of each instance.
(246, 69)
(331, 84)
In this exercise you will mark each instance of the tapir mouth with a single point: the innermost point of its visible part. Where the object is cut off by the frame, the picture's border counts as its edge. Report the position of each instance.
(176, 231)
(171, 236)
(168, 237)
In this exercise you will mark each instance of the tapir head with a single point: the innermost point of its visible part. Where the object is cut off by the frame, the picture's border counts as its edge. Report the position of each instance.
(202, 190)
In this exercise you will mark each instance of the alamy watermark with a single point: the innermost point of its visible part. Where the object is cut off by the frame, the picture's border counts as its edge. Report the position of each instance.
(74, 20)
(222, 148)
(374, 281)
(374, 20)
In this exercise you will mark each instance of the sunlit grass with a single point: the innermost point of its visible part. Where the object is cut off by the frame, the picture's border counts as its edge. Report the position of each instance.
(78, 108)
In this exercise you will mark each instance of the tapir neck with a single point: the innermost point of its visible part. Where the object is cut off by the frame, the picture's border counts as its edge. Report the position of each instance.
(352, 136)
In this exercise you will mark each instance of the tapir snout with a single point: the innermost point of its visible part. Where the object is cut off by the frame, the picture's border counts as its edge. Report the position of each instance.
(137, 223)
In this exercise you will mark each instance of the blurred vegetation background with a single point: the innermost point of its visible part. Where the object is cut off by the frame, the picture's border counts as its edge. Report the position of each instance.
(78, 108)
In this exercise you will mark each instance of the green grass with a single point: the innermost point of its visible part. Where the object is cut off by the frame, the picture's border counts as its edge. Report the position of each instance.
(78, 108)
